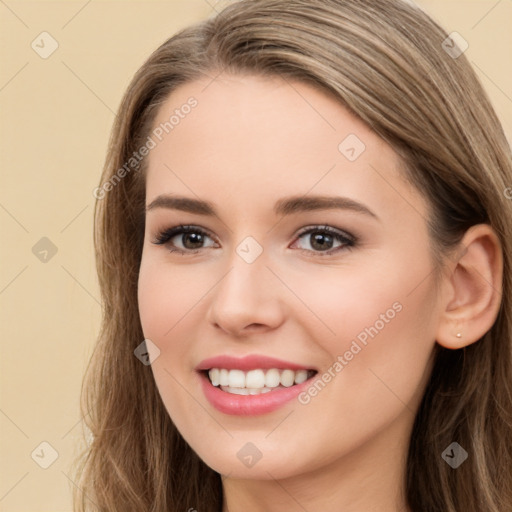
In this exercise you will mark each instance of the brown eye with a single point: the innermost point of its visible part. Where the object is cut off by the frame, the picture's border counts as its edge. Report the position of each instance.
(194, 239)
(324, 240)
(191, 239)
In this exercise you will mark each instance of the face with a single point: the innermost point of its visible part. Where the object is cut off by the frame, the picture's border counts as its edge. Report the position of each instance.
(316, 254)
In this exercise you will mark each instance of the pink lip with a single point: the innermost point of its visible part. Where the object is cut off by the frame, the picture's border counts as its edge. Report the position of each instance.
(248, 405)
(247, 363)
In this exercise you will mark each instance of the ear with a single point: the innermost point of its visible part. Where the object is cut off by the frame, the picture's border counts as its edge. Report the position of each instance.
(472, 289)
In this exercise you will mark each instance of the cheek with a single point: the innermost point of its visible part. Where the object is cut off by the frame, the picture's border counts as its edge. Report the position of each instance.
(383, 338)
(166, 295)
(381, 322)
(168, 300)
(338, 305)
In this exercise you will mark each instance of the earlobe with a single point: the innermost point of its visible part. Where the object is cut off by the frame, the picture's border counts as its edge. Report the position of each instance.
(472, 289)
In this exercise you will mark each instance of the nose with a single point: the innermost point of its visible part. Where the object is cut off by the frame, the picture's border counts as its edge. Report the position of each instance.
(247, 299)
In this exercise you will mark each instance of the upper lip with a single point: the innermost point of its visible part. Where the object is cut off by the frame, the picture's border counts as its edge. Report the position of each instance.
(250, 362)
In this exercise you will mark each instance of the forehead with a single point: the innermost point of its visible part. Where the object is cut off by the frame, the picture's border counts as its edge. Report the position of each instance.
(248, 139)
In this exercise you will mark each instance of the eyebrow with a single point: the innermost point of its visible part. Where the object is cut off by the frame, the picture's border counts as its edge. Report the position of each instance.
(285, 206)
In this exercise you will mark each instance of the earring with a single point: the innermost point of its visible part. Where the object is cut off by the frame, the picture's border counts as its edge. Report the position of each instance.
(459, 335)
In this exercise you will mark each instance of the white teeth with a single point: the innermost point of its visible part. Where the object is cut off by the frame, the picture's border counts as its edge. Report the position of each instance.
(301, 376)
(215, 376)
(287, 378)
(223, 377)
(245, 391)
(236, 379)
(239, 391)
(272, 378)
(256, 381)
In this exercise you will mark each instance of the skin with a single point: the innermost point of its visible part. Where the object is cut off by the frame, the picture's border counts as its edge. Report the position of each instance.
(250, 142)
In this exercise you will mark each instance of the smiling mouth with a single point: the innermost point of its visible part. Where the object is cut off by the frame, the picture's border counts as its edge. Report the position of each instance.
(257, 381)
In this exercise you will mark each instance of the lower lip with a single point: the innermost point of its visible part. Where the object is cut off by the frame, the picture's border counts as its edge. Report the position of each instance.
(249, 405)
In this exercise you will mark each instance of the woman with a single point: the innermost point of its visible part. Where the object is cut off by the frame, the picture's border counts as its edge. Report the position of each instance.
(303, 238)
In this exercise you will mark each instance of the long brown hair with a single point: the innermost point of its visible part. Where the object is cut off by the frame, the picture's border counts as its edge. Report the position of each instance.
(384, 60)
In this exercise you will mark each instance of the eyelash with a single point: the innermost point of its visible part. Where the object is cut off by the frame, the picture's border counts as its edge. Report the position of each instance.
(349, 241)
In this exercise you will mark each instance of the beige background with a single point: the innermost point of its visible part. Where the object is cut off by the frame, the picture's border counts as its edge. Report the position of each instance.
(55, 122)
